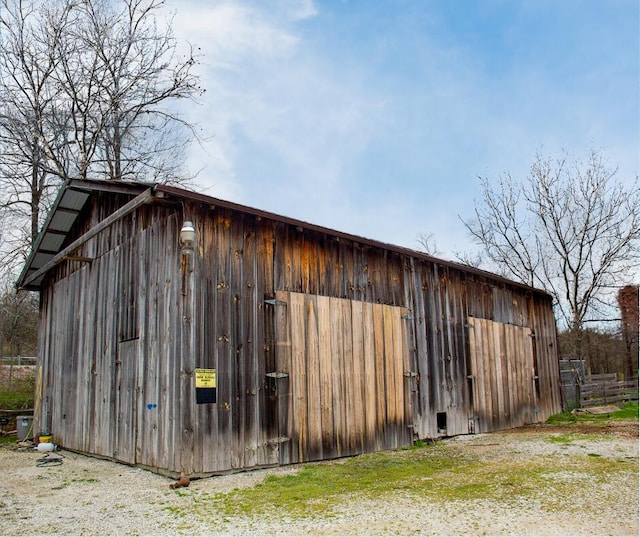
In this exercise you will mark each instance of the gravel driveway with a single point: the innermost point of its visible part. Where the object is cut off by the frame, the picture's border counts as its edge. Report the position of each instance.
(89, 496)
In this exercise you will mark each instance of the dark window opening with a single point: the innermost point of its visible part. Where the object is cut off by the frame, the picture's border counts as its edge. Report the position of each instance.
(441, 418)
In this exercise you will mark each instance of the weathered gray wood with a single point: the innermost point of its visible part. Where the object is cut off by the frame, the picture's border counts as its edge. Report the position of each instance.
(356, 375)
(502, 369)
(314, 389)
(330, 357)
(606, 389)
(325, 372)
(126, 209)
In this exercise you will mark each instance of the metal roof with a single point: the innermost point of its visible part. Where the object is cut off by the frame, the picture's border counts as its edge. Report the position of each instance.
(68, 205)
(74, 194)
(59, 222)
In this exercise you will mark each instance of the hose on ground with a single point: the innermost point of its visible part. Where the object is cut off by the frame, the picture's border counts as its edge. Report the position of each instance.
(49, 460)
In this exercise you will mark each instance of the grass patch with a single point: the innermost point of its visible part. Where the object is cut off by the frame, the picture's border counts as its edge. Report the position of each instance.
(18, 392)
(9, 439)
(561, 439)
(628, 411)
(316, 488)
(441, 473)
(573, 438)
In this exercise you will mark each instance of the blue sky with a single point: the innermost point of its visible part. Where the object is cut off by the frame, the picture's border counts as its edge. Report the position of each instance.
(377, 117)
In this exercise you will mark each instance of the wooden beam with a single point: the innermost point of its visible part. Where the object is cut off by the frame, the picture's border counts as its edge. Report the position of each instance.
(127, 208)
(114, 187)
(78, 258)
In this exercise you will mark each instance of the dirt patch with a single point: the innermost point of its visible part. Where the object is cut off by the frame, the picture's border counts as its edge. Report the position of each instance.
(85, 495)
(627, 429)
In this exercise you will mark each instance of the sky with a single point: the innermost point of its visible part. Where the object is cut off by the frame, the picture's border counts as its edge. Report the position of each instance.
(377, 118)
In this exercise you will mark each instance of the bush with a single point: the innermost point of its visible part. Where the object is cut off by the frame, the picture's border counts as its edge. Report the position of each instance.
(17, 390)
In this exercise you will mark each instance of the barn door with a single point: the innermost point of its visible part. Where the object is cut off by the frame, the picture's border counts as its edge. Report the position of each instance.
(502, 375)
(343, 366)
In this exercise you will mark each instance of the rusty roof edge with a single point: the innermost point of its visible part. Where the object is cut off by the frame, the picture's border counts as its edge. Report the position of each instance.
(203, 198)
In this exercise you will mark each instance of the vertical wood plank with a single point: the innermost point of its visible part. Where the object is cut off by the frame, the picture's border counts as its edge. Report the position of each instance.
(312, 365)
(299, 416)
(346, 376)
(380, 384)
(284, 365)
(337, 365)
(326, 373)
(357, 373)
(371, 394)
(252, 345)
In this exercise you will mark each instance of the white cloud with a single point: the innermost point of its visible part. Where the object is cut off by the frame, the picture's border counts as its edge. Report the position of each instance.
(298, 9)
(231, 33)
(270, 98)
(383, 146)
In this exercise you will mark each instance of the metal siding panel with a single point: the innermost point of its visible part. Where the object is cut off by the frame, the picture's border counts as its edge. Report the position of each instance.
(62, 221)
(73, 199)
(51, 242)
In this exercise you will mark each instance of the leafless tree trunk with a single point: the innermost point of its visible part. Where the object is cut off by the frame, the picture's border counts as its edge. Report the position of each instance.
(18, 322)
(86, 91)
(572, 229)
(31, 126)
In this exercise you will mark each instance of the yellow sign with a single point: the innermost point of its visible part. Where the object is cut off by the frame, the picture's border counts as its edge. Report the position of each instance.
(205, 378)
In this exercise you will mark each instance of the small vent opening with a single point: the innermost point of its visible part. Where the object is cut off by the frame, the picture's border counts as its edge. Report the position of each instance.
(441, 418)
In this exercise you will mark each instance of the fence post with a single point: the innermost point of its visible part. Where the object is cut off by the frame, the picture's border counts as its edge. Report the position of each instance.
(578, 395)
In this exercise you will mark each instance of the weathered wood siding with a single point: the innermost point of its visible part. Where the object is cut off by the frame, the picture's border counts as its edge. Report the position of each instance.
(502, 375)
(110, 345)
(341, 365)
(122, 336)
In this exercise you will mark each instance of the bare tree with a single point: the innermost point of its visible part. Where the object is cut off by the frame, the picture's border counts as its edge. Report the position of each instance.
(573, 229)
(18, 322)
(427, 244)
(129, 72)
(29, 133)
(87, 90)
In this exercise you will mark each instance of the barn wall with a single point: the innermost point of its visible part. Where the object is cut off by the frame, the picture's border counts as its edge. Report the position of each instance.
(111, 344)
(245, 259)
(121, 337)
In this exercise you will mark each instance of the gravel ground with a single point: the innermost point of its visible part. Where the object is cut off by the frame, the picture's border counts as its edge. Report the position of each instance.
(89, 496)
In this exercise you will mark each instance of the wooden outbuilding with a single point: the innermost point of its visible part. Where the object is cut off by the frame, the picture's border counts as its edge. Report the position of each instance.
(190, 335)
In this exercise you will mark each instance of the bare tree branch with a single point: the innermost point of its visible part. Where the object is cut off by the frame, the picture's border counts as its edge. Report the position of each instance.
(573, 229)
(86, 91)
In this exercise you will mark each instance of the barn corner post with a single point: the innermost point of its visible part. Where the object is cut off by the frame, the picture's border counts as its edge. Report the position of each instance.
(187, 241)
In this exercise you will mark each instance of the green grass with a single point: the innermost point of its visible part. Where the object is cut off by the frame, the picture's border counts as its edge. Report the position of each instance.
(17, 394)
(440, 473)
(9, 439)
(562, 439)
(628, 411)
